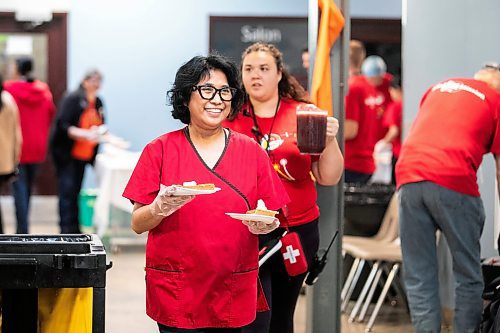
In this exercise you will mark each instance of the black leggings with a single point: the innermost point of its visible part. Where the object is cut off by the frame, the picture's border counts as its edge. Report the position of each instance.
(282, 290)
(166, 329)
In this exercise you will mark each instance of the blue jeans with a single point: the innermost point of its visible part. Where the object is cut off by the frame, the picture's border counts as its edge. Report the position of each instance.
(21, 189)
(425, 207)
(69, 181)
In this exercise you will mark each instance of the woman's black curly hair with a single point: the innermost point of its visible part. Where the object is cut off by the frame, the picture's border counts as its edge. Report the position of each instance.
(195, 70)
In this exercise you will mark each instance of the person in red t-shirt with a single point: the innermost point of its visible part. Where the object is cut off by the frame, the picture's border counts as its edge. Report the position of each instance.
(393, 121)
(366, 101)
(269, 117)
(377, 83)
(458, 122)
(36, 111)
(360, 131)
(357, 54)
(360, 128)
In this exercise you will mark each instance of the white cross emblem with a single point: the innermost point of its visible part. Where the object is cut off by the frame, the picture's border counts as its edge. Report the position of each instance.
(291, 254)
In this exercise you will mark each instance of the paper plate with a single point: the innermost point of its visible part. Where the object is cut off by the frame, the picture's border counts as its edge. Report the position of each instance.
(179, 191)
(252, 217)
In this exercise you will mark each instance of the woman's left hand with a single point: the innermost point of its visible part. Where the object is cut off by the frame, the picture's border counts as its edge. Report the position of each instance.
(332, 127)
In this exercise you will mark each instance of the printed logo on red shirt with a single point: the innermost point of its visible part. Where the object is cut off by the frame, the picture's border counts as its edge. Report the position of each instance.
(453, 87)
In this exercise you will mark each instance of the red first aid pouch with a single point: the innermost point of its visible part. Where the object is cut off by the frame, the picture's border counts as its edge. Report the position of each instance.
(293, 254)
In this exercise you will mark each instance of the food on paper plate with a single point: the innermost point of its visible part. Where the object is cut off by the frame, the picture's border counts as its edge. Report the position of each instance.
(194, 186)
(262, 210)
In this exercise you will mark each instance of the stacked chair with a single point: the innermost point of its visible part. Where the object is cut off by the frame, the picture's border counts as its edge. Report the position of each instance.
(383, 252)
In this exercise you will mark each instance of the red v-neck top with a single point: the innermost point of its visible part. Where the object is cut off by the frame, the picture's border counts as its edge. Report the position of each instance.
(201, 265)
(457, 123)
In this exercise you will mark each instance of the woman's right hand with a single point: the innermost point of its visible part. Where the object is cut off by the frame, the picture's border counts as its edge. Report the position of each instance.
(77, 133)
(147, 217)
(165, 204)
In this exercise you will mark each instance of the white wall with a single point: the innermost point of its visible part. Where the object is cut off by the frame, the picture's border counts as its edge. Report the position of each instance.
(139, 46)
(451, 38)
(388, 9)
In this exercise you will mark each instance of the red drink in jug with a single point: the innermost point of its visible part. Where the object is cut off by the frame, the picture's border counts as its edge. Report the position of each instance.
(311, 130)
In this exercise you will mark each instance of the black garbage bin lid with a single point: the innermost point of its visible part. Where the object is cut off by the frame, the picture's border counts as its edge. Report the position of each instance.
(368, 194)
(45, 244)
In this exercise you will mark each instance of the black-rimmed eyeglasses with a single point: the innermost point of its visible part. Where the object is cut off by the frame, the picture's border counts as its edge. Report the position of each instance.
(492, 65)
(208, 92)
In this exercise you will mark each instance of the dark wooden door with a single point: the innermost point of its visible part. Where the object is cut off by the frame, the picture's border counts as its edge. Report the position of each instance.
(381, 37)
(56, 32)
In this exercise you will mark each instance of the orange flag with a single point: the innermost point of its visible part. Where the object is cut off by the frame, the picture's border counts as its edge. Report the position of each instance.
(331, 23)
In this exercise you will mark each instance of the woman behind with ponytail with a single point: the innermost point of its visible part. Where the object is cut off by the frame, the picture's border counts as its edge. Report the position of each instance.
(269, 117)
(36, 111)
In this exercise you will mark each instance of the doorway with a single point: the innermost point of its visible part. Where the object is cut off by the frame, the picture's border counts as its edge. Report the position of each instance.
(381, 37)
(47, 44)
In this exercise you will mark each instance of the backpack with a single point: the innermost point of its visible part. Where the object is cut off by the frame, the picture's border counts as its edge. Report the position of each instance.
(490, 322)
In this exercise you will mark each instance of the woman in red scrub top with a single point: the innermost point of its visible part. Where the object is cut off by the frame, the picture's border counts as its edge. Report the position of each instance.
(202, 265)
(269, 117)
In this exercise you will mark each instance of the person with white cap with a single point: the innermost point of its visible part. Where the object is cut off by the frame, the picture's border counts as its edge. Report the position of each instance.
(367, 98)
(374, 70)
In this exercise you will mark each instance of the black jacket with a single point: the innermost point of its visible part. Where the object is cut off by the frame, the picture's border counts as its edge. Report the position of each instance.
(68, 114)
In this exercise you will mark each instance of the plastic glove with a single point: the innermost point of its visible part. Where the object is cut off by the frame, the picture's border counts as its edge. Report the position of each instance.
(260, 228)
(101, 129)
(332, 127)
(381, 146)
(78, 133)
(166, 204)
(92, 134)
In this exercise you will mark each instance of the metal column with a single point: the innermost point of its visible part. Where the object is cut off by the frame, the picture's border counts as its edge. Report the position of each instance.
(323, 300)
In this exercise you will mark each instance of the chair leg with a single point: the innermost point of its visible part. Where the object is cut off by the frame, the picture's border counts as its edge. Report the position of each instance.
(393, 292)
(370, 295)
(388, 283)
(350, 276)
(363, 293)
(353, 285)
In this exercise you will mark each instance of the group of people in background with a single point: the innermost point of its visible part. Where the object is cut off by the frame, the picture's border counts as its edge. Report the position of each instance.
(30, 128)
(373, 114)
(435, 173)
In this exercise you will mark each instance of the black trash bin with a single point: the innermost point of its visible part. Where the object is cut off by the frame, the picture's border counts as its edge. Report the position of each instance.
(364, 209)
(30, 262)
